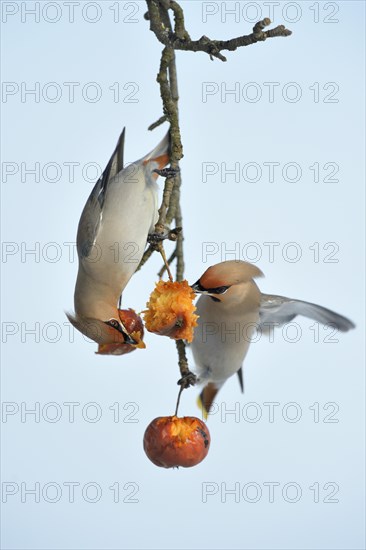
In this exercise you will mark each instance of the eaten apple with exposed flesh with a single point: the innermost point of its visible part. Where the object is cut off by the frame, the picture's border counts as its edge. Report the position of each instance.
(170, 441)
(171, 310)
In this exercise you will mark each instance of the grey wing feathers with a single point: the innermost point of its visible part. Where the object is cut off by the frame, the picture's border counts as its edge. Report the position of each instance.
(114, 166)
(281, 310)
(92, 214)
(89, 222)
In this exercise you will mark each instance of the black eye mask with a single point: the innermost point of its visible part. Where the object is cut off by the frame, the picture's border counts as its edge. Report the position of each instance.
(218, 290)
(115, 324)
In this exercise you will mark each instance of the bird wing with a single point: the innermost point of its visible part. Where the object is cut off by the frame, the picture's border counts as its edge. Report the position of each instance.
(115, 164)
(93, 210)
(281, 310)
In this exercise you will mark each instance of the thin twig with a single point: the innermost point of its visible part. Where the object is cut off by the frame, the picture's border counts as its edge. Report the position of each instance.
(160, 121)
(179, 245)
(178, 400)
(148, 252)
(163, 255)
(169, 261)
(188, 378)
(180, 39)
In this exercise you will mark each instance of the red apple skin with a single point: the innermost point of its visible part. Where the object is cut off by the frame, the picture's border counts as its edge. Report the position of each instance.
(133, 323)
(131, 320)
(170, 441)
(175, 329)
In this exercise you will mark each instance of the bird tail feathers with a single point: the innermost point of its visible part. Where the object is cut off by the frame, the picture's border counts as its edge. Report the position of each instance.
(206, 398)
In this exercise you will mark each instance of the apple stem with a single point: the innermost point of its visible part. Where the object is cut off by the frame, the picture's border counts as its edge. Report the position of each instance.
(178, 400)
(162, 252)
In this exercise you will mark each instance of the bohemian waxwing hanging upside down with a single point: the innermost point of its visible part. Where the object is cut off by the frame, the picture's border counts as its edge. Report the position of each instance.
(231, 301)
(118, 216)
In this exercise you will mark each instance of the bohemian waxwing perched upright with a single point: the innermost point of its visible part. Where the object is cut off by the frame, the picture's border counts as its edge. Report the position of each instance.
(118, 216)
(230, 309)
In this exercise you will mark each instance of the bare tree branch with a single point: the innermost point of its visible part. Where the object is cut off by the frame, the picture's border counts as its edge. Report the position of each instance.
(179, 39)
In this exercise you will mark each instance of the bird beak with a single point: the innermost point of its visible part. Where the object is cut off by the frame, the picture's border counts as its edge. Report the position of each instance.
(198, 288)
(122, 330)
(128, 339)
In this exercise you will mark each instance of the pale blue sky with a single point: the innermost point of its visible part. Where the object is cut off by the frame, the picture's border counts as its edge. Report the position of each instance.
(323, 62)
